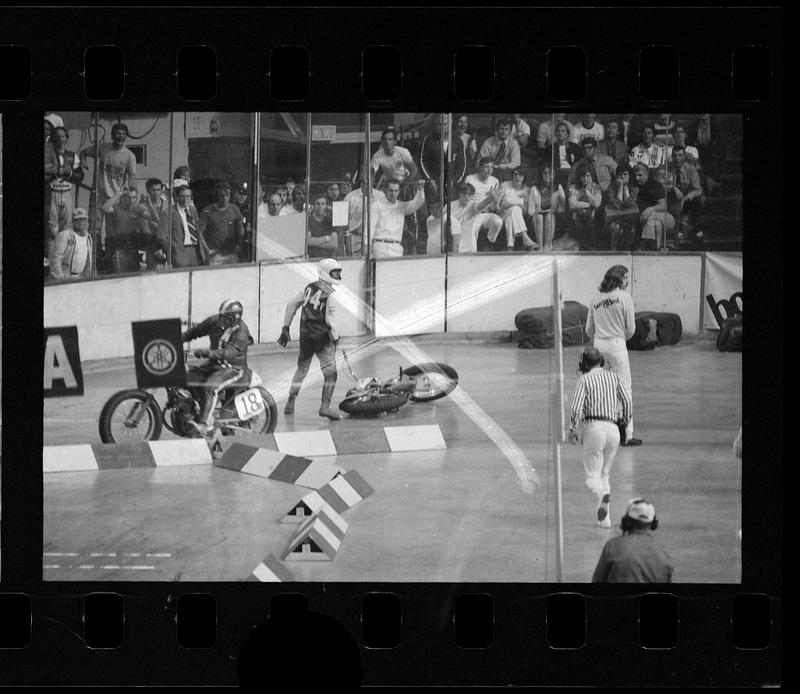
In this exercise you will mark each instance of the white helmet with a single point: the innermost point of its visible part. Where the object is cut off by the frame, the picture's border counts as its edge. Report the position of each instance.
(326, 268)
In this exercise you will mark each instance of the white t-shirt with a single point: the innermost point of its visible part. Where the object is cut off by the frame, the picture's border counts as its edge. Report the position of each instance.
(482, 188)
(611, 315)
(80, 256)
(395, 165)
(581, 132)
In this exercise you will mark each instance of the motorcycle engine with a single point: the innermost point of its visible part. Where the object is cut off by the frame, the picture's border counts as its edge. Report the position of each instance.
(183, 409)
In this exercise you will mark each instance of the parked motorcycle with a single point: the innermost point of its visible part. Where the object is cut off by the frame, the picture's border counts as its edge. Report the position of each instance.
(419, 383)
(240, 404)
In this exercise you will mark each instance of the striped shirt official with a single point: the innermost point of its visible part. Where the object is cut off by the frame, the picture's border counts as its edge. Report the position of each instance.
(600, 395)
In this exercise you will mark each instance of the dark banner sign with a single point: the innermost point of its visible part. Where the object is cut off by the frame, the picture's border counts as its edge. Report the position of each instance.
(158, 353)
(62, 362)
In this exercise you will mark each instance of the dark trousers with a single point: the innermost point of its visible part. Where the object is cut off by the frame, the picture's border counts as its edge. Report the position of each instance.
(202, 380)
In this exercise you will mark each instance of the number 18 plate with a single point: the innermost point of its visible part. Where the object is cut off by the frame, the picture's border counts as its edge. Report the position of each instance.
(249, 404)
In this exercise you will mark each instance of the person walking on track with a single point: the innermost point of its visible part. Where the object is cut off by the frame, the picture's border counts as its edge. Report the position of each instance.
(634, 556)
(600, 401)
(611, 323)
(318, 333)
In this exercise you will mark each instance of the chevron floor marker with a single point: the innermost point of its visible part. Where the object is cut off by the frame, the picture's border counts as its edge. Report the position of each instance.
(251, 460)
(318, 539)
(305, 443)
(271, 570)
(318, 474)
(345, 491)
(415, 438)
(114, 456)
(308, 506)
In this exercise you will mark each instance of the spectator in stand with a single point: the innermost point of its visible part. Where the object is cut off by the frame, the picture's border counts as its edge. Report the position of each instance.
(333, 194)
(512, 207)
(463, 213)
(240, 198)
(355, 216)
(465, 154)
(392, 162)
(630, 130)
(546, 135)
(684, 193)
(691, 153)
(116, 168)
(290, 184)
(430, 153)
(283, 191)
(51, 120)
(705, 135)
(600, 166)
(546, 202)
(179, 237)
(588, 127)
(434, 224)
(634, 557)
(647, 151)
(152, 207)
(664, 129)
(72, 252)
(321, 240)
(620, 197)
(484, 185)
(585, 201)
(272, 205)
(520, 130)
(62, 174)
(654, 220)
(387, 219)
(124, 222)
(612, 145)
(562, 154)
(183, 173)
(502, 149)
(299, 199)
(221, 225)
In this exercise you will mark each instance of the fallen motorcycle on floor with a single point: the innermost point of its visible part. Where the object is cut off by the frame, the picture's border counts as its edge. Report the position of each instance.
(418, 383)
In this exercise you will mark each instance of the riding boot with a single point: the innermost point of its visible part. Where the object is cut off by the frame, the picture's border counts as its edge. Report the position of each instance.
(289, 409)
(325, 409)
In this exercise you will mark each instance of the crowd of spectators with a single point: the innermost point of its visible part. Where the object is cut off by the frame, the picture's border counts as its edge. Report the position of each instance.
(566, 183)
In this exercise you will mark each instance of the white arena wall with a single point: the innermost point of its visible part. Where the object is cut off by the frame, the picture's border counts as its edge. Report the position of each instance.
(481, 293)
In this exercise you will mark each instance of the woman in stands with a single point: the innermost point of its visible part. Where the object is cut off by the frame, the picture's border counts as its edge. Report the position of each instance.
(512, 206)
(546, 201)
(585, 199)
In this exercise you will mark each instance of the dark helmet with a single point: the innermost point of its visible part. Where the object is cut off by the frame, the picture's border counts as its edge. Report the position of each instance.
(231, 311)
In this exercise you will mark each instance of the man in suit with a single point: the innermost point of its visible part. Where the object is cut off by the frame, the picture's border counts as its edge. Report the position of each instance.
(179, 236)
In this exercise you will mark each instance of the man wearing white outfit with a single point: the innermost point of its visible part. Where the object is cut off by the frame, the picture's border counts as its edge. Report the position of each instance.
(485, 186)
(387, 217)
(611, 323)
(600, 400)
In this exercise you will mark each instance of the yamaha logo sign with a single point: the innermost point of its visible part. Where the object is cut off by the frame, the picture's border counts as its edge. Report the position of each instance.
(159, 353)
(159, 357)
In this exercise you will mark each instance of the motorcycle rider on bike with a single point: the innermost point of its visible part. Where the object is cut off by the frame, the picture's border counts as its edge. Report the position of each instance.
(318, 334)
(230, 339)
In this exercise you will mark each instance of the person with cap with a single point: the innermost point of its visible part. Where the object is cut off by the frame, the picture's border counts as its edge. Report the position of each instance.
(611, 323)
(318, 334)
(72, 251)
(230, 339)
(634, 556)
(601, 400)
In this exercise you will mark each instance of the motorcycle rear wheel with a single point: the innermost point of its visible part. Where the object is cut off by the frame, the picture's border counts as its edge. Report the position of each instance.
(367, 406)
(264, 423)
(116, 425)
(434, 380)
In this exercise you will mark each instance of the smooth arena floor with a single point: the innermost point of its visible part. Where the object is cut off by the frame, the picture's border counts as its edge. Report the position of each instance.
(452, 516)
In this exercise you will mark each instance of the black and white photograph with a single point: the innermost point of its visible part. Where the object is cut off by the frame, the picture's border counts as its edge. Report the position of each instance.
(393, 347)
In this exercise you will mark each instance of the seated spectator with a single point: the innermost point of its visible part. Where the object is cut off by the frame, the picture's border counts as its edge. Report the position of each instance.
(520, 130)
(321, 240)
(387, 218)
(465, 149)
(392, 162)
(585, 200)
(546, 134)
(546, 202)
(72, 252)
(62, 174)
(562, 155)
(512, 207)
(619, 197)
(221, 225)
(647, 151)
(692, 155)
(355, 217)
(152, 206)
(463, 214)
(705, 135)
(663, 129)
(179, 237)
(588, 127)
(654, 220)
(124, 226)
(502, 149)
(612, 145)
(434, 224)
(600, 166)
(684, 193)
(484, 184)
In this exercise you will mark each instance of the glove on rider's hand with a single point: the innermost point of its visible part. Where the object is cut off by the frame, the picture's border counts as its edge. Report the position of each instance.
(283, 340)
(201, 353)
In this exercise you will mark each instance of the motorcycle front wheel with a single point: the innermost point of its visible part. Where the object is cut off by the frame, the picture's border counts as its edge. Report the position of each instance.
(433, 380)
(130, 416)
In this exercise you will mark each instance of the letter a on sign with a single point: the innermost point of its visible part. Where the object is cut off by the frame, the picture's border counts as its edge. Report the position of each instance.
(62, 362)
(158, 352)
